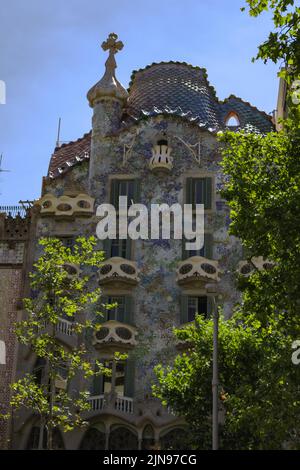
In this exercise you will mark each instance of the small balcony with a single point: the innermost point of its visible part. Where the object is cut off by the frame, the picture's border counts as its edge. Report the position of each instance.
(110, 403)
(114, 334)
(65, 207)
(161, 161)
(72, 269)
(197, 270)
(118, 271)
(65, 327)
(64, 331)
(246, 268)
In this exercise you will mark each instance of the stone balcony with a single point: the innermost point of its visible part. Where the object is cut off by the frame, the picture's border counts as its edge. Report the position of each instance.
(118, 272)
(65, 207)
(246, 268)
(110, 403)
(64, 331)
(65, 327)
(115, 335)
(196, 271)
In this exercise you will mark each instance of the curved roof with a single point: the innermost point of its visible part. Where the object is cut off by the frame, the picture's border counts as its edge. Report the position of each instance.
(174, 88)
(169, 88)
(181, 89)
(67, 155)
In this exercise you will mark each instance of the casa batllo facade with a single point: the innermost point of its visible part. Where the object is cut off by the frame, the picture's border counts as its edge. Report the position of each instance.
(154, 143)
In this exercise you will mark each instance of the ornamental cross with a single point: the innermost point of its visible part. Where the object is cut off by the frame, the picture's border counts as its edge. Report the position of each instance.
(112, 44)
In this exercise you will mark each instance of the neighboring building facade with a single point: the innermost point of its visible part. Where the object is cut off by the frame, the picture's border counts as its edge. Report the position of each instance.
(155, 143)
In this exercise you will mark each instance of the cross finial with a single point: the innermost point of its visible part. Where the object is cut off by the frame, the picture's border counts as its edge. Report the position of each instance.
(112, 44)
(109, 86)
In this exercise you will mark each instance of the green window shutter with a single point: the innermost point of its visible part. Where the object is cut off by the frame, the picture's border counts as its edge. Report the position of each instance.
(129, 317)
(114, 192)
(128, 242)
(129, 377)
(190, 191)
(97, 384)
(137, 191)
(185, 253)
(107, 248)
(207, 189)
(210, 306)
(208, 245)
(184, 308)
(102, 318)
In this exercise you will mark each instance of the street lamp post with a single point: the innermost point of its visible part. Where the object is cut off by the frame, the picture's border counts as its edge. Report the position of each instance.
(211, 289)
(215, 380)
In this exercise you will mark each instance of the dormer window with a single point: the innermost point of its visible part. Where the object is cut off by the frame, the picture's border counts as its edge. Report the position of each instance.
(232, 120)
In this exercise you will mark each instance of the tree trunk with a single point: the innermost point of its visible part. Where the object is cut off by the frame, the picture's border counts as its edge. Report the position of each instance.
(41, 435)
(51, 400)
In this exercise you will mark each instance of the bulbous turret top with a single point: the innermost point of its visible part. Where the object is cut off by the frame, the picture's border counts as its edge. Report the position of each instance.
(109, 86)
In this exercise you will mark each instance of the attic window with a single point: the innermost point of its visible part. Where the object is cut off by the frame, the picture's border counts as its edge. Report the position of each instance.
(232, 120)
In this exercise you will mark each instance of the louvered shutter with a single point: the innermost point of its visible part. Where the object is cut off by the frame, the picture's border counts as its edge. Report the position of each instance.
(210, 306)
(129, 317)
(189, 191)
(129, 377)
(137, 191)
(97, 384)
(208, 245)
(207, 192)
(114, 193)
(183, 308)
(107, 248)
(102, 318)
(128, 242)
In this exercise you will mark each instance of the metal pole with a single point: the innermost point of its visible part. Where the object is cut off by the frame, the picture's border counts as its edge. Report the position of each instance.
(215, 379)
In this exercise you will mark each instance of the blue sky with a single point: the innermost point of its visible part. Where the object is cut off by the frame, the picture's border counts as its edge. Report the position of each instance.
(51, 56)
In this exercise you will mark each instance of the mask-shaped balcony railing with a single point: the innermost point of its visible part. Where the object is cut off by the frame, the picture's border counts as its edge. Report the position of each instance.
(245, 268)
(115, 335)
(197, 270)
(117, 270)
(66, 206)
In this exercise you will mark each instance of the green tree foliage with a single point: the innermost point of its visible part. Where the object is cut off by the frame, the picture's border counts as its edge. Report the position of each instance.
(260, 385)
(263, 192)
(284, 42)
(60, 289)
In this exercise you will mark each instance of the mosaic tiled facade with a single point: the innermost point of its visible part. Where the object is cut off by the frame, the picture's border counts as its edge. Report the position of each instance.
(156, 143)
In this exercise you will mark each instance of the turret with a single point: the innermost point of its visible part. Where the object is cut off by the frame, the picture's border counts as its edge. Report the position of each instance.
(108, 96)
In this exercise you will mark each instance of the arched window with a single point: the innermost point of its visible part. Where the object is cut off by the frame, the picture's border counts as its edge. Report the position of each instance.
(174, 440)
(94, 439)
(122, 438)
(34, 437)
(148, 437)
(232, 120)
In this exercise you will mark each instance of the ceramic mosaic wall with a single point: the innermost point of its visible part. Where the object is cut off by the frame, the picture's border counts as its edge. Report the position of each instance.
(157, 295)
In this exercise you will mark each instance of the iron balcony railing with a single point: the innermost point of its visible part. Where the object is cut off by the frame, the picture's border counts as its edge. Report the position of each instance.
(14, 211)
